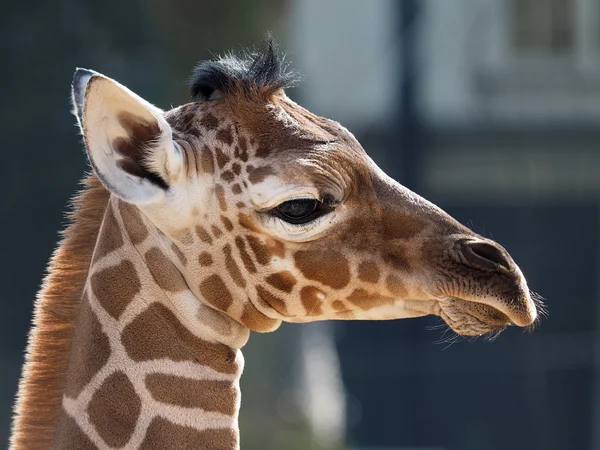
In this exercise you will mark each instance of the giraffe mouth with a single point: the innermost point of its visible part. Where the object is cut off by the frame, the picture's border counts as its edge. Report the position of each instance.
(469, 318)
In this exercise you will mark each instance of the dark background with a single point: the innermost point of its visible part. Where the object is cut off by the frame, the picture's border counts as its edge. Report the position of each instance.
(515, 156)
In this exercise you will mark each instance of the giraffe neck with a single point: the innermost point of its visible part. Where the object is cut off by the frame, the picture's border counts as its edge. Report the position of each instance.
(150, 363)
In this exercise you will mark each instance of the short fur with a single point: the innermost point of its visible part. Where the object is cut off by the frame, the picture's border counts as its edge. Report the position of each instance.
(254, 75)
(40, 389)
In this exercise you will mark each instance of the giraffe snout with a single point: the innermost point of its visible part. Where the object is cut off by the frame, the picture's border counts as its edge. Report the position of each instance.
(479, 285)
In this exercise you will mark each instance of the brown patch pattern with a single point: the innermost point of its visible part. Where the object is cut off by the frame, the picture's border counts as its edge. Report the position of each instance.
(228, 176)
(209, 121)
(205, 259)
(329, 267)
(396, 286)
(246, 221)
(227, 223)
(115, 287)
(114, 410)
(256, 320)
(203, 235)
(271, 301)
(67, 431)
(368, 271)
(284, 281)
(262, 151)
(257, 175)
(157, 333)
(221, 197)
(209, 395)
(162, 434)
(207, 162)
(311, 301)
(246, 258)
(164, 271)
(215, 292)
(216, 231)
(339, 305)
(233, 268)
(264, 251)
(225, 136)
(91, 352)
(366, 300)
(222, 158)
(136, 230)
(110, 238)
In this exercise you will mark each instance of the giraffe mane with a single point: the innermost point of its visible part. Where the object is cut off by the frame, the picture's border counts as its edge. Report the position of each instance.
(255, 75)
(40, 388)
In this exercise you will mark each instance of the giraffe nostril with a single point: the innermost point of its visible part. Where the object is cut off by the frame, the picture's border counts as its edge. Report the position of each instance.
(486, 254)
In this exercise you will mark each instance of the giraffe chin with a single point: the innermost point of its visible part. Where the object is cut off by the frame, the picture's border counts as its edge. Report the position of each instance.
(469, 318)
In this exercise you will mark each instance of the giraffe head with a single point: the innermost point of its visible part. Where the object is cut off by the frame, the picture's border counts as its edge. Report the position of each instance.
(272, 213)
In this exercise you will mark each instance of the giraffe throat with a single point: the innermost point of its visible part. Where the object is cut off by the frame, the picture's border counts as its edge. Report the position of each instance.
(141, 376)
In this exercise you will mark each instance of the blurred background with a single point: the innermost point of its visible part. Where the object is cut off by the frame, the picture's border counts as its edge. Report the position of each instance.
(489, 108)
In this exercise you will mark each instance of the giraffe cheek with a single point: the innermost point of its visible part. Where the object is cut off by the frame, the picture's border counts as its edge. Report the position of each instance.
(328, 267)
(284, 281)
(397, 287)
(366, 300)
(312, 300)
(270, 301)
(368, 271)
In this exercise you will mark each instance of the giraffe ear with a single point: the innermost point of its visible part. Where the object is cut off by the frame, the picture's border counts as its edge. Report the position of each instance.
(128, 140)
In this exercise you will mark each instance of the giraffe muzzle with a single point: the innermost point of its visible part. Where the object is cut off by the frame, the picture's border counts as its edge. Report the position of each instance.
(483, 289)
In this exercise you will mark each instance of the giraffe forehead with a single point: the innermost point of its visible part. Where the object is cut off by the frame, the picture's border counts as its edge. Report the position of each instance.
(273, 128)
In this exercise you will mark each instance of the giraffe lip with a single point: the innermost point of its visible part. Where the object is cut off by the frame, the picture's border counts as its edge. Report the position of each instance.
(498, 314)
(471, 318)
(521, 309)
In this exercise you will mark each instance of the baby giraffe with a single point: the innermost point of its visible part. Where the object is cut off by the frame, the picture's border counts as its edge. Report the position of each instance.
(228, 214)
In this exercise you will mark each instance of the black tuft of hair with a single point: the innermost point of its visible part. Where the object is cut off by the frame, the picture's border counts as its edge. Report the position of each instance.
(252, 73)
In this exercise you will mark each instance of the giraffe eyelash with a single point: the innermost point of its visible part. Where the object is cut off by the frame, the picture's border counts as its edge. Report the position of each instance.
(294, 228)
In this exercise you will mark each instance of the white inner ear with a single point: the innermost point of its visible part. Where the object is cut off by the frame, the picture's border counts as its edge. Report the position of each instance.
(107, 103)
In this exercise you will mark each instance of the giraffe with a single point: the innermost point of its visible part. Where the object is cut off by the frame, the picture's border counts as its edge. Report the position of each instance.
(229, 214)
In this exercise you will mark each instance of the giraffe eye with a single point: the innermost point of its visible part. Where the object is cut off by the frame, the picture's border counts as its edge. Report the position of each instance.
(300, 211)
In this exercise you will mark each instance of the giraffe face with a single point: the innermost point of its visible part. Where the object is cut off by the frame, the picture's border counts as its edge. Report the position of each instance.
(274, 214)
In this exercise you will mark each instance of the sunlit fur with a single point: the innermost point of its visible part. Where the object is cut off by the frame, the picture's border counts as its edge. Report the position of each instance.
(40, 389)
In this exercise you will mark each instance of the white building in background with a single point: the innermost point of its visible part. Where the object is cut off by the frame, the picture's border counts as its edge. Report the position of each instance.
(482, 62)
(347, 51)
(518, 65)
(510, 62)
